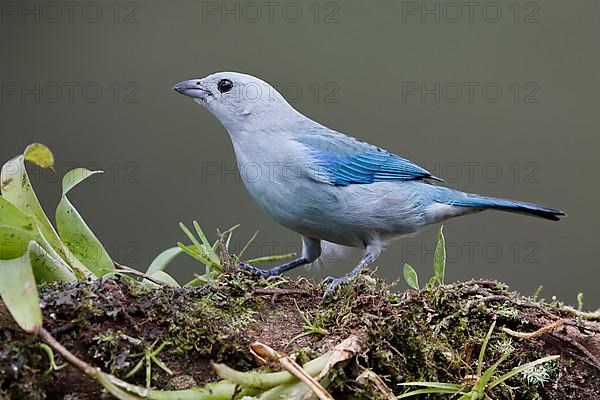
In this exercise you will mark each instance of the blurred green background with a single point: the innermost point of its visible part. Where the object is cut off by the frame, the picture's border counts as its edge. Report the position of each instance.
(499, 98)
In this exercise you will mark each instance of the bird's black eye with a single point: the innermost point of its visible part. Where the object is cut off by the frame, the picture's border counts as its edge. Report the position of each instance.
(224, 85)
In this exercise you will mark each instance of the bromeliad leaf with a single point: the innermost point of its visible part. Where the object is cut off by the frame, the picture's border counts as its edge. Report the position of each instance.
(16, 188)
(19, 293)
(75, 233)
(411, 277)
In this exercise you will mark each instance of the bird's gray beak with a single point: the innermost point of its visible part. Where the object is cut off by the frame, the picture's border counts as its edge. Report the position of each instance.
(192, 88)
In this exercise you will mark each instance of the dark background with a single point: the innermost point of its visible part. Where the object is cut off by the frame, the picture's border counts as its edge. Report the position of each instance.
(387, 72)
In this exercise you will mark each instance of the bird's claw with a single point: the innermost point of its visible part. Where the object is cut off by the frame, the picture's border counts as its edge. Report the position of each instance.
(331, 285)
(253, 270)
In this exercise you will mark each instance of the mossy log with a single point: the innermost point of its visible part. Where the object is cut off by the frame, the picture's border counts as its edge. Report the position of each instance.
(430, 335)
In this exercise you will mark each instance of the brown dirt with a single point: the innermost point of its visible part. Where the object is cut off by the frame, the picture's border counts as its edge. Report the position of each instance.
(431, 335)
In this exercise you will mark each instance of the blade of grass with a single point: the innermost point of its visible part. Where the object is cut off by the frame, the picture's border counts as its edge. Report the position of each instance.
(427, 391)
(188, 233)
(243, 250)
(521, 368)
(281, 257)
(487, 375)
(483, 348)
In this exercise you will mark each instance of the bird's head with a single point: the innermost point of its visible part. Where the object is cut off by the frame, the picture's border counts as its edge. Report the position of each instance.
(237, 99)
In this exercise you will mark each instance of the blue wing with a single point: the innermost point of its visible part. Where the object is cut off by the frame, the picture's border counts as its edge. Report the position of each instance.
(342, 160)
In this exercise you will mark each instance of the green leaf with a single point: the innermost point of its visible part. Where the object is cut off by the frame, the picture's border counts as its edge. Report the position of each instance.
(17, 230)
(521, 368)
(13, 242)
(248, 243)
(411, 277)
(439, 258)
(16, 188)
(487, 375)
(438, 385)
(40, 155)
(12, 216)
(191, 251)
(427, 391)
(19, 292)
(47, 268)
(163, 260)
(484, 344)
(75, 233)
(266, 259)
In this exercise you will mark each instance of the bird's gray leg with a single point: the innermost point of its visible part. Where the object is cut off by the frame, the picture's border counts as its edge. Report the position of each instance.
(371, 253)
(311, 250)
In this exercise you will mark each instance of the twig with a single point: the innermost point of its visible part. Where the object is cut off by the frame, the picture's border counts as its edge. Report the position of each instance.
(224, 252)
(531, 335)
(66, 354)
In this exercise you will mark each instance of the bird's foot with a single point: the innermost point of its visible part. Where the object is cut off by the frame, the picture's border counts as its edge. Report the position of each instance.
(332, 284)
(256, 271)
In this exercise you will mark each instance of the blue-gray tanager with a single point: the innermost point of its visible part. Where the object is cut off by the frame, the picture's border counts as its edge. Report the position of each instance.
(324, 184)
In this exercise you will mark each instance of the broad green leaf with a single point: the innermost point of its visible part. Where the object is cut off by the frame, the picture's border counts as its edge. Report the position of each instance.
(17, 233)
(439, 258)
(40, 155)
(163, 260)
(17, 189)
(75, 233)
(48, 268)
(19, 293)
(13, 241)
(411, 277)
(12, 216)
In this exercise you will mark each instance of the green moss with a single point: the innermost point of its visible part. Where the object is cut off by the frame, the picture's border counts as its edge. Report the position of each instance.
(431, 335)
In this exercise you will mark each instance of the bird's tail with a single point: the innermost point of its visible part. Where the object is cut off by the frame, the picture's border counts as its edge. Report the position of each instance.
(477, 202)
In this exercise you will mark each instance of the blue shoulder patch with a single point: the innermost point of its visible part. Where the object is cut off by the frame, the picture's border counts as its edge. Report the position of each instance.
(368, 167)
(343, 160)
